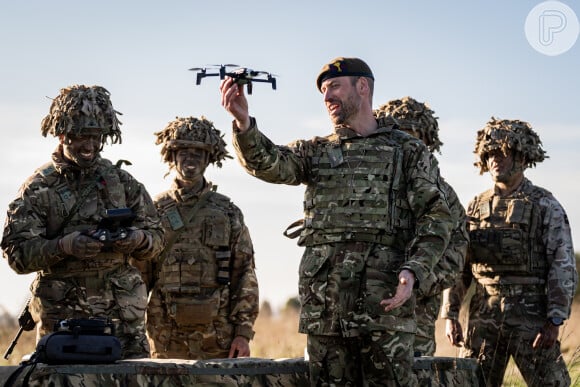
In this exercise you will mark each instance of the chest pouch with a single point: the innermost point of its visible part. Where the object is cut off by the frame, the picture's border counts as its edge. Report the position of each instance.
(498, 246)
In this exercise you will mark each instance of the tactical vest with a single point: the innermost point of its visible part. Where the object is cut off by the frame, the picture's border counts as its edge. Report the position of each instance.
(358, 194)
(59, 200)
(505, 240)
(199, 260)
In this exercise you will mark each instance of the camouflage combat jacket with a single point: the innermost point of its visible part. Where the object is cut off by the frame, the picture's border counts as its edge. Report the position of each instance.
(379, 190)
(33, 221)
(519, 245)
(451, 263)
(208, 275)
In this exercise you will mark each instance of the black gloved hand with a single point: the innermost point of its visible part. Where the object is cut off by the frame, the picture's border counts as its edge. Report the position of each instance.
(79, 245)
(135, 240)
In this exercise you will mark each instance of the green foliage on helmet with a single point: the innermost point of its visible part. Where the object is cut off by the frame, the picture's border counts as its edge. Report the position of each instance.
(191, 132)
(78, 108)
(415, 118)
(508, 136)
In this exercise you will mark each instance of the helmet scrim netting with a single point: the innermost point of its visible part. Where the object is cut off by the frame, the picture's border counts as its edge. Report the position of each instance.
(415, 118)
(508, 136)
(78, 108)
(191, 132)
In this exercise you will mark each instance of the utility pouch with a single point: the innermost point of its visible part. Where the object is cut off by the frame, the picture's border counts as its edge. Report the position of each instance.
(190, 311)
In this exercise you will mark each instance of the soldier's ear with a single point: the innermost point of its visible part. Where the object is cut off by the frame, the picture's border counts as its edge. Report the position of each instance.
(520, 160)
(362, 83)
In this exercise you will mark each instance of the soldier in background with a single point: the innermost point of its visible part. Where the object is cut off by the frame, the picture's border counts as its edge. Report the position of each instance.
(522, 261)
(50, 226)
(417, 119)
(375, 224)
(204, 291)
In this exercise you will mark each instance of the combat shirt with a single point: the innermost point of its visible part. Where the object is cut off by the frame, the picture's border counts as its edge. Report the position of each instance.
(551, 238)
(44, 200)
(411, 217)
(212, 256)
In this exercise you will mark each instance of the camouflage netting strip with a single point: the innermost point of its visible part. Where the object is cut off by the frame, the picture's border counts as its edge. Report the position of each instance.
(226, 372)
(508, 135)
(192, 132)
(414, 116)
(74, 105)
(241, 366)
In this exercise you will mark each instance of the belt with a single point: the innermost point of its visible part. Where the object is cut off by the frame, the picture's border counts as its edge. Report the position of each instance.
(188, 290)
(320, 239)
(514, 290)
(73, 267)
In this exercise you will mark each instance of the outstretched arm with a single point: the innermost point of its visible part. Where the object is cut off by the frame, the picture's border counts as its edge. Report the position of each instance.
(235, 102)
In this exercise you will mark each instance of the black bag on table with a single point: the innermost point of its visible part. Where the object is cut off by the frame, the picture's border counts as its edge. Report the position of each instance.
(74, 341)
(80, 341)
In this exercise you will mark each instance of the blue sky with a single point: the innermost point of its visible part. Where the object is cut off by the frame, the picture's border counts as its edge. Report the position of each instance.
(467, 60)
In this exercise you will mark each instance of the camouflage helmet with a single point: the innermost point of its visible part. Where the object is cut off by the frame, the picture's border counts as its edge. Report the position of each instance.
(191, 132)
(80, 107)
(415, 118)
(508, 135)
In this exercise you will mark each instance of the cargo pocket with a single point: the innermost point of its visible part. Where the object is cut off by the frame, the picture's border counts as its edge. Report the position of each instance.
(350, 270)
(130, 294)
(51, 291)
(51, 301)
(313, 280)
(382, 278)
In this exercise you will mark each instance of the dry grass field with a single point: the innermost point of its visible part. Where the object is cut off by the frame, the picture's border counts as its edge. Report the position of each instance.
(277, 337)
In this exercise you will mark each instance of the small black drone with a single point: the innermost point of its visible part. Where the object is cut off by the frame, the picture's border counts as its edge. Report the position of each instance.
(241, 75)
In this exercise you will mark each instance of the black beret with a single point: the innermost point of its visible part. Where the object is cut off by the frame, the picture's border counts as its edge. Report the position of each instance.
(342, 67)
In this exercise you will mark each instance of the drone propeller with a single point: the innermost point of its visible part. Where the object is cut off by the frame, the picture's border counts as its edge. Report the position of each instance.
(225, 65)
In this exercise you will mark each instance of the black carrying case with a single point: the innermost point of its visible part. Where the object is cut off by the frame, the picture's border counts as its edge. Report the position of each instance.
(82, 341)
(66, 347)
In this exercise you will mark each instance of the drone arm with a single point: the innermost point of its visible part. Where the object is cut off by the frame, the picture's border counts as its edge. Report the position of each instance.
(271, 80)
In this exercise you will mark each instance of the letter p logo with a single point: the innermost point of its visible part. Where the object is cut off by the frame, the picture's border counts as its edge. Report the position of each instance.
(552, 28)
(551, 22)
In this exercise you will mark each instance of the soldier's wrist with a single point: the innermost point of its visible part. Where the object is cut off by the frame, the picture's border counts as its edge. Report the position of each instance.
(556, 321)
(240, 127)
(55, 247)
(245, 331)
(449, 315)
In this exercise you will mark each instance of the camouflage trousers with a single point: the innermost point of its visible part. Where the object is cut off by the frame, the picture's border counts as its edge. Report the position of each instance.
(118, 293)
(504, 327)
(426, 313)
(196, 342)
(379, 359)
